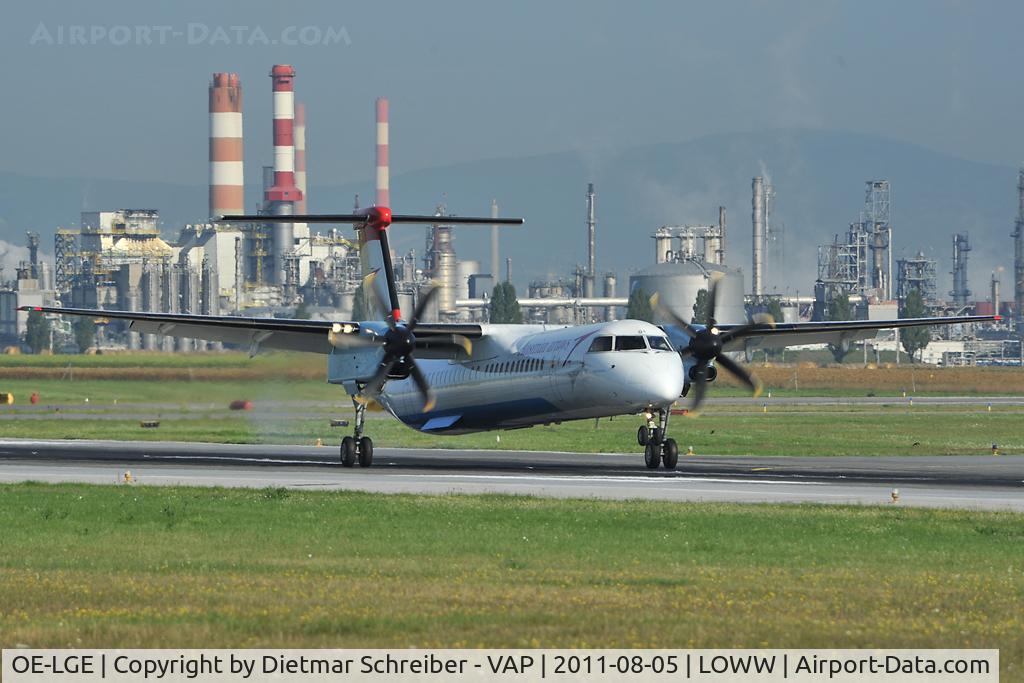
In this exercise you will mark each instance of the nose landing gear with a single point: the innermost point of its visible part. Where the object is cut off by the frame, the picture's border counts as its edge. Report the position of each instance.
(357, 447)
(658, 450)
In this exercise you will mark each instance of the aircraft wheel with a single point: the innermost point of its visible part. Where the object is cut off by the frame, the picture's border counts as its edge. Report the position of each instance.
(656, 435)
(670, 454)
(348, 451)
(643, 435)
(365, 452)
(652, 456)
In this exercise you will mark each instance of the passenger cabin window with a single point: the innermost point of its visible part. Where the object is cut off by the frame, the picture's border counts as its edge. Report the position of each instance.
(600, 344)
(630, 343)
(659, 343)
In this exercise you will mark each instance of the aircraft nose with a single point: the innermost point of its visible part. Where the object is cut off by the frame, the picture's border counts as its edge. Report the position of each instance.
(666, 381)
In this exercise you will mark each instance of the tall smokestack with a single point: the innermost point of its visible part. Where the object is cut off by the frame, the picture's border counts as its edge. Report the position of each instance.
(757, 217)
(995, 293)
(495, 262)
(283, 195)
(721, 235)
(588, 283)
(383, 182)
(227, 185)
(300, 158)
(1018, 259)
(960, 293)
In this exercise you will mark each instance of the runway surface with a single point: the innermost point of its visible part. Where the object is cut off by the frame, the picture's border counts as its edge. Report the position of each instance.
(978, 482)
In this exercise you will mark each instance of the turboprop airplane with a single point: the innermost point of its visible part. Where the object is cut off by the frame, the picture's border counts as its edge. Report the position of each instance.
(461, 378)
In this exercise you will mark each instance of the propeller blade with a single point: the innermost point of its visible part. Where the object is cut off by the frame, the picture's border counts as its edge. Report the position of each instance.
(378, 302)
(762, 321)
(340, 339)
(318, 218)
(453, 220)
(455, 341)
(421, 383)
(713, 296)
(357, 218)
(700, 385)
(740, 373)
(421, 307)
(666, 312)
(389, 274)
(375, 385)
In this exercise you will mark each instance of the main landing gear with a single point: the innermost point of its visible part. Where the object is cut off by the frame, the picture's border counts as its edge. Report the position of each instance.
(357, 447)
(657, 448)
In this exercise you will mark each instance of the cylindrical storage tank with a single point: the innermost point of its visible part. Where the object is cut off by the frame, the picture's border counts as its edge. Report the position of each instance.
(662, 248)
(344, 305)
(790, 314)
(463, 271)
(984, 308)
(407, 302)
(610, 285)
(432, 313)
(677, 285)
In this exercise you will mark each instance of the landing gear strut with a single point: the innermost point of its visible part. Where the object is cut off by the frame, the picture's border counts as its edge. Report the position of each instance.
(658, 450)
(357, 447)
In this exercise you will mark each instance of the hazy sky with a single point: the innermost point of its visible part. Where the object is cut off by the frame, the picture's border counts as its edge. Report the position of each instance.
(471, 80)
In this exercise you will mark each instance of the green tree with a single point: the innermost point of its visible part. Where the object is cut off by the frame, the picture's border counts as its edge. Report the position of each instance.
(359, 311)
(914, 339)
(37, 331)
(839, 308)
(301, 311)
(85, 333)
(639, 307)
(700, 307)
(504, 304)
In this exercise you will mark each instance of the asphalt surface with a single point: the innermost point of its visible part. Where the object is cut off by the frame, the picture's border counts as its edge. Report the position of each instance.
(977, 482)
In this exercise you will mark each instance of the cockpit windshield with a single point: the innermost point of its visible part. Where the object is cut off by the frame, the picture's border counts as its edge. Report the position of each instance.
(600, 344)
(630, 343)
(659, 343)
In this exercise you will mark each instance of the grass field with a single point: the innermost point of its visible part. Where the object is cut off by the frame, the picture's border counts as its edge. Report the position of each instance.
(189, 394)
(792, 379)
(85, 566)
(969, 430)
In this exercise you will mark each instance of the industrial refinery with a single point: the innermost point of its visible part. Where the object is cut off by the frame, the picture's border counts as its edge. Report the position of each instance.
(126, 259)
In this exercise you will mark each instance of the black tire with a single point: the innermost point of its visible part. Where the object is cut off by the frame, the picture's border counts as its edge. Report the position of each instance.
(365, 451)
(348, 452)
(670, 454)
(652, 456)
(656, 435)
(643, 435)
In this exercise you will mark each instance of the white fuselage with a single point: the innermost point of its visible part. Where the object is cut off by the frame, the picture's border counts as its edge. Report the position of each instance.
(522, 375)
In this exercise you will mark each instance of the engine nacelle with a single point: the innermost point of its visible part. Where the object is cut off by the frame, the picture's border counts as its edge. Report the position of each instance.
(712, 373)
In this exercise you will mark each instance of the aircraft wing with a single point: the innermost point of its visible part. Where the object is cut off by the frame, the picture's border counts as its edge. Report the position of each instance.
(314, 336)
(830, 332)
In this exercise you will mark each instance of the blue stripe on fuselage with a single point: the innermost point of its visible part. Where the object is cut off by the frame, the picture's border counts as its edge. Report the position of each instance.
(483, 417)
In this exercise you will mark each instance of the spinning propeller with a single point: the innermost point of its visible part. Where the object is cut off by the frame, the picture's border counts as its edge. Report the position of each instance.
(706, 345)
(399, 342)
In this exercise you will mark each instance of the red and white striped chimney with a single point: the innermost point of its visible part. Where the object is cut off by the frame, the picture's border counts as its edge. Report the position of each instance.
(227, 184)
(383, 189)
(300, 157)
(284, 189)
(283, 194)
